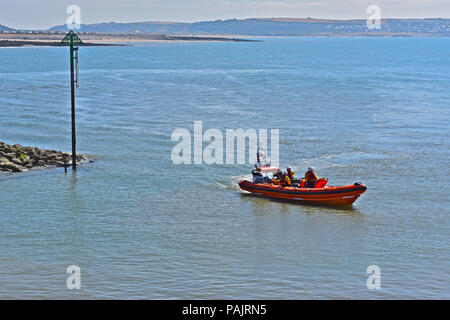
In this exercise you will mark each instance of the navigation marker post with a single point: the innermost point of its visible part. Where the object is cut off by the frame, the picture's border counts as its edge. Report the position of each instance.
(72, 39)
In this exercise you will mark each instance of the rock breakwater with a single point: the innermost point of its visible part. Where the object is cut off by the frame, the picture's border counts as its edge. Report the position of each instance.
(16, 158)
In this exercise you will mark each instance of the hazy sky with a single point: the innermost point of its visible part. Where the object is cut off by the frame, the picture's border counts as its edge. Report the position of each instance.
(42, 14)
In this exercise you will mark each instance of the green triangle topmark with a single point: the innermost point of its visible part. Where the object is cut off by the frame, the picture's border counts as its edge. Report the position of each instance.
(76, 39)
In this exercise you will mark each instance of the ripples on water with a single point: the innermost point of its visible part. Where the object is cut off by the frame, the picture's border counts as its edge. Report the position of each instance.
(370, 110)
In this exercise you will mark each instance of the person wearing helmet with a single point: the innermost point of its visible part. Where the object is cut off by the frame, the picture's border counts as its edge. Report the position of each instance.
(310, 178)
(290, 173)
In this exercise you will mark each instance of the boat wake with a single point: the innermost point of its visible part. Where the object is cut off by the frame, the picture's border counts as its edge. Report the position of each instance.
(232, 182)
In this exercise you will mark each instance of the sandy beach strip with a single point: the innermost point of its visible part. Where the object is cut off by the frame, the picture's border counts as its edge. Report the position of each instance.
(52, 39)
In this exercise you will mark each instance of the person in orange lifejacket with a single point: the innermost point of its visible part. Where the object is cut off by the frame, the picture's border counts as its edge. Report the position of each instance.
(290, 173)
(277, 177)
(310, 178)
(285, 181)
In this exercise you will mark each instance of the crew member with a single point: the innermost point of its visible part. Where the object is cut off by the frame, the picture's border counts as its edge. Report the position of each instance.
(277, 177)
(310, 178)
(285, 181)
(290, 173)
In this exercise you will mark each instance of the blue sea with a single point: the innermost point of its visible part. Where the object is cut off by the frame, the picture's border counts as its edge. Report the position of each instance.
(374, 110)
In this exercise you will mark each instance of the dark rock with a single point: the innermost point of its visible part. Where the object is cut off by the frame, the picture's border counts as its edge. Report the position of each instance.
(13, 167)
(10, 155)
(17, 158)
(16, 161)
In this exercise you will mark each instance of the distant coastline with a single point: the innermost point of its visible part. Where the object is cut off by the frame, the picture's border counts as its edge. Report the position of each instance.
(9, 39)
(21, 43)
(238, 29)
(259, 27)
(231, 30)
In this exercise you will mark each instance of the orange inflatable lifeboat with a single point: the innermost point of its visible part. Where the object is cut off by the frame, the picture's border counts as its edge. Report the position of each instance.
(321, 194)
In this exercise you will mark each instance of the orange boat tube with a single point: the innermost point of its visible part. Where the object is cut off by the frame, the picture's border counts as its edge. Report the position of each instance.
(329, 195)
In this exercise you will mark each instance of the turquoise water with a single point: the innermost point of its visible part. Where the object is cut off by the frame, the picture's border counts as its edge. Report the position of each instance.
(370, 110)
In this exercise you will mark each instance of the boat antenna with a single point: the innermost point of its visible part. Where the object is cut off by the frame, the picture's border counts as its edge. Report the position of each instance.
(260, 155)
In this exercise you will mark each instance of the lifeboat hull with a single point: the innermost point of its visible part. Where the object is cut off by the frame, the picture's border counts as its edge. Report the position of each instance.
(329, 195)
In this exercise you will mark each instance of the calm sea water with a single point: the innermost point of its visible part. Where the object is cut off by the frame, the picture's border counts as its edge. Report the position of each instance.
(370, 110)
